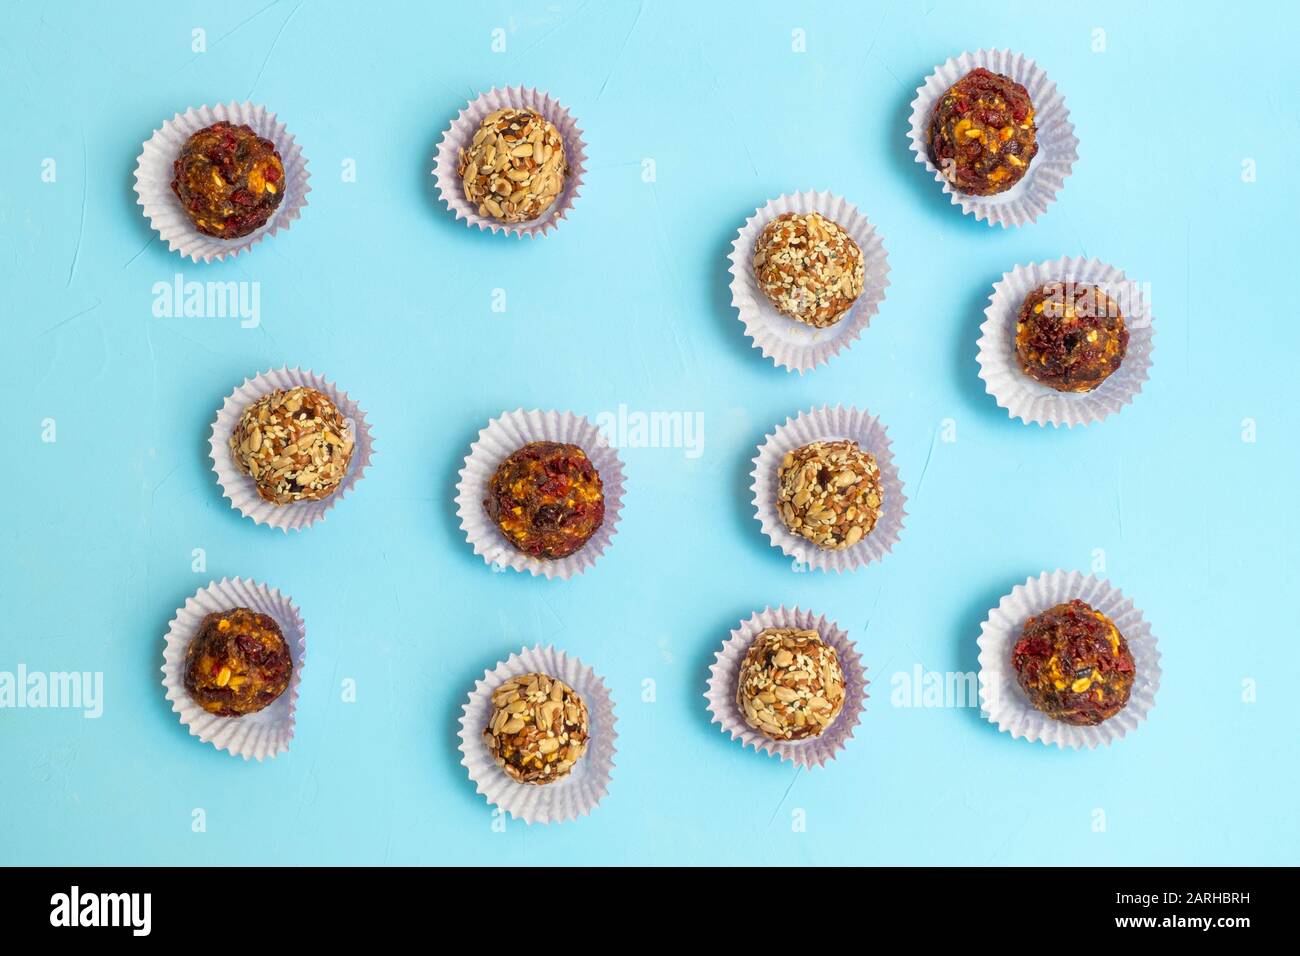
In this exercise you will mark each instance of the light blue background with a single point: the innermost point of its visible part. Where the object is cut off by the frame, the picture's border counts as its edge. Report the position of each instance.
(380, 289)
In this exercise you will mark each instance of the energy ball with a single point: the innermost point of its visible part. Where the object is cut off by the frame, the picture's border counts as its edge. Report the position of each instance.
(982, 134)
(1070, 336)
(538, 728)
(830, 493)
(791, 684)
(228, 179)
(515, 167)
(809, 268)
(294, 444)
(547, 499)
(238, 663)
(1074, 665)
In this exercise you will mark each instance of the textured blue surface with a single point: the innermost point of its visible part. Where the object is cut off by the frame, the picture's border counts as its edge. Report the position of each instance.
(380, 289)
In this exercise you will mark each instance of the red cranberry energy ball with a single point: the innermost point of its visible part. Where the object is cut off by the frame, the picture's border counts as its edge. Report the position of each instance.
(294, 443)
(830, 493)
(982, 133)
(791, 684)
(1074, 665)
(228, 179)
(538, 728)
(1070, 336)
(238, 663)
(547, 499)
(809, 268)
(515, 166)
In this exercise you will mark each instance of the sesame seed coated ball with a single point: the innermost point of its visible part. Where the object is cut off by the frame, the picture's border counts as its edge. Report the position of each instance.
(515, 167)
(791, 684)
(809, 268)
(538, 728)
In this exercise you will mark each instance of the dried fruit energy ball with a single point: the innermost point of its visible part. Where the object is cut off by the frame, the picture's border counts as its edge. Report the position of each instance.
(238, 663)
(515, 167)
(547, 499)
(228, 179)
(809, 268)
(1074, 665)
(538, 728)
(982, 133)
(1070, 336)
(791, 684)
(830, 493)
(294, 444)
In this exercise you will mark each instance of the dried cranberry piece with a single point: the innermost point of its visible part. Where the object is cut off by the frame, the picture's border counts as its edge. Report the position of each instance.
(548, 516)
(554, 487)
(252, 649)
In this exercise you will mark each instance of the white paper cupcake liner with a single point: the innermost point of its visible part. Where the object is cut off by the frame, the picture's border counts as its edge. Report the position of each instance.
(502, 437)
(461, 134)
(829, 424)
(1058, 148)
(786, 341)
(153, 179)
(1001, 698)
(241, 489)
(724, 679)
(260, 735)
(570, 797)
(1032, 401)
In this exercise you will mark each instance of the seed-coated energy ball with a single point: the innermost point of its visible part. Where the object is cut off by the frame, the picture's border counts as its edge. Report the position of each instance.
(791, 685)
(538, 728)
(809, 268)
(515, 167)
(830, 493)
(294, 443)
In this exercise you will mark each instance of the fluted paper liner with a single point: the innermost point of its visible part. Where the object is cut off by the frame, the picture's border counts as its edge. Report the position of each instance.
(788, 342)
(829, 424)
(153, 178)
(572, 796)
(724, 679)
(241, 489)
(1058, 148)
(1032, 401)
(260, 735)
(461, 133)
(1005, 704)
(502, 437)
